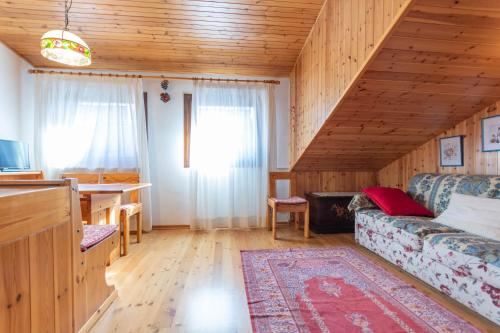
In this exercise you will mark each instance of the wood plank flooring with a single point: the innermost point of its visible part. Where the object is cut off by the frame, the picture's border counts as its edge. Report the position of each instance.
(191, 281)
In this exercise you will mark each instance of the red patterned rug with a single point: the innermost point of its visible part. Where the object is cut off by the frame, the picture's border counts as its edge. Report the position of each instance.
(336, 290)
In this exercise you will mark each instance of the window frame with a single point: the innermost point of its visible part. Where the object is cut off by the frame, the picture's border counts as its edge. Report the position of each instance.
(188, 104)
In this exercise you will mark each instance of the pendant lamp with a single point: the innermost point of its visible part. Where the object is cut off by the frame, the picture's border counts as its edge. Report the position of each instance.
(65, 47)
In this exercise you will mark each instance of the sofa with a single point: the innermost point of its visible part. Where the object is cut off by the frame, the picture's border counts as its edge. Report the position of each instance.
(462, 265)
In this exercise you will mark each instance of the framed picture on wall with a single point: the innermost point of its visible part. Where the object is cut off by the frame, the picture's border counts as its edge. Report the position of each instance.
(491, 133)
(452, 151)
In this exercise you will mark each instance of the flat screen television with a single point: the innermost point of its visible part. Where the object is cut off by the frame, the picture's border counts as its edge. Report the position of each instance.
(14, 156)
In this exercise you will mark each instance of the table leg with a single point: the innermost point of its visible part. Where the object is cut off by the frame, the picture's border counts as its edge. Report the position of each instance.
(108, 215)
(125, 223)
(306, 222)
(274, 222)
(268, 218)
(139, 227)
(85, 206)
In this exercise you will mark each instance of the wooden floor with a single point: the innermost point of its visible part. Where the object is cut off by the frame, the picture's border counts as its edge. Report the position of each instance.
(191, 281)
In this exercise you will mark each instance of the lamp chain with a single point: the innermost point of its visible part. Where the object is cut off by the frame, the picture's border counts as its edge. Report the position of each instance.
(67, 7)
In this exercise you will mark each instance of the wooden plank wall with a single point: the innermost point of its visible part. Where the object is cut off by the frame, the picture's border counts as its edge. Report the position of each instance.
(436, 67)
(342, 39)
(426, 157)
(331, 181)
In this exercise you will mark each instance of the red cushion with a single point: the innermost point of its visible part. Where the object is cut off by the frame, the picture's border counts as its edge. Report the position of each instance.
(395, 202)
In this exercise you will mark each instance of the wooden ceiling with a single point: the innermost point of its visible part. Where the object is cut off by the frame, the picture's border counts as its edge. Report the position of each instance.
(440, 65)
(245, 37)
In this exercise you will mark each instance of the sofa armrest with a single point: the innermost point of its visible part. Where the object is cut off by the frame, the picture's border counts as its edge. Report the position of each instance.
(360, 202)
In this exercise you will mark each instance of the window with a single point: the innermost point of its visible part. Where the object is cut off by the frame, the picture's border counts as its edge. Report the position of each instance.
(228, 154)
(98, 135)
(188, 101)
(227, 136)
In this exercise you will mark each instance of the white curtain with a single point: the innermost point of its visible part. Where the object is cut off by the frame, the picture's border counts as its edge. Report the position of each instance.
(230, 140)
(92, 124)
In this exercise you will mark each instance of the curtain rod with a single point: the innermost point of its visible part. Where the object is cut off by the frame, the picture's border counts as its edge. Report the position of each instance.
(131, 76)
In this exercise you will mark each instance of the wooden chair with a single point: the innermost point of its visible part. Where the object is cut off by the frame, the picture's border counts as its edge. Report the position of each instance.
(85, 203)
(22, 175)
(83, 178)
(293, 205)
(133, 208)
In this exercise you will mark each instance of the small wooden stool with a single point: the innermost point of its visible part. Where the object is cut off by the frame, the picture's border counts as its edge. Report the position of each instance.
(293, 205)
(126, 212)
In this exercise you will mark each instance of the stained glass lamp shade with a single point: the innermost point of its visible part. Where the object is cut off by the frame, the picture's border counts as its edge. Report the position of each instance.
(66, 48)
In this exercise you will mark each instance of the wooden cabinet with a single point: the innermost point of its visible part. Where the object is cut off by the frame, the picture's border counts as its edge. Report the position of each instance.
(36, 290)
(329, 213)
(47, 284)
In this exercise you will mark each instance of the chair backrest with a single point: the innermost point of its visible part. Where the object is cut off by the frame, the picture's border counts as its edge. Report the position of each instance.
(274, 176)
(22, 175)
(434, 190)
(120, 177)
(123, 177)
(84, 177)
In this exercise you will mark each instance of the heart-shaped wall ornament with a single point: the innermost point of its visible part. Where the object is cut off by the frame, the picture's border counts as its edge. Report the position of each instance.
(164, 96)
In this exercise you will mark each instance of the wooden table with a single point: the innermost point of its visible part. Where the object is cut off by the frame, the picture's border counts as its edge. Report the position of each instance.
(89, 189)
(101, 201)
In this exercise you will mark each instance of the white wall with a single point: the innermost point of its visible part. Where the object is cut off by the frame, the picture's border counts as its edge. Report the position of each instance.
(170, 191)
(27, 109)
(12, 92)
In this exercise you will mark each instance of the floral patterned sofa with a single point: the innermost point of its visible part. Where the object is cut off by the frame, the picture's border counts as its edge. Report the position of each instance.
(464, 266)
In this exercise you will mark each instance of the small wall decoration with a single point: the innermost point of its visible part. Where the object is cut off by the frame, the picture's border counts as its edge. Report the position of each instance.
(452, 151)
(491, 133)
(164, 96)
